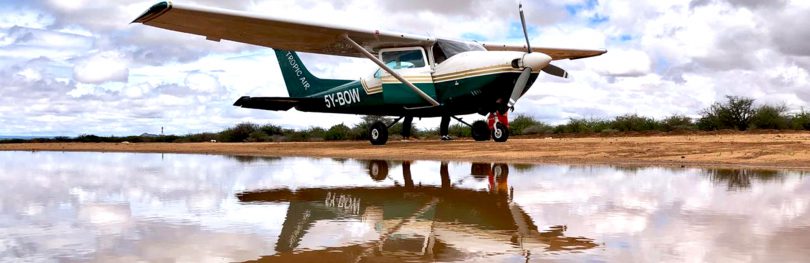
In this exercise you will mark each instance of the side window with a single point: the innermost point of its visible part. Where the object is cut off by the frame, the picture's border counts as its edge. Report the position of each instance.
(404, 59)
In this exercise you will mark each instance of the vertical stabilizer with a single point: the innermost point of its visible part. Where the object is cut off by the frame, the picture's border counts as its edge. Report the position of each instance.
(300, 82)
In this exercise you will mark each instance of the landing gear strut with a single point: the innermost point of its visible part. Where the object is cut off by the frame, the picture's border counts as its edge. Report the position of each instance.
(378, 133)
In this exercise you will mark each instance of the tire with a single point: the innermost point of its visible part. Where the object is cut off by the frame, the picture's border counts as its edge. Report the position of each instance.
(480, 131)
(378, 134)
(500, 133)
(501, 172)
(378, 170)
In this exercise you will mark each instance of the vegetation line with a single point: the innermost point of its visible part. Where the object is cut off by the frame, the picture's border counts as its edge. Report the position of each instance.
(735, 113)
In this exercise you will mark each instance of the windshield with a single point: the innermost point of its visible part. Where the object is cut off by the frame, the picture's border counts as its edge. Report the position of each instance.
(449, 48)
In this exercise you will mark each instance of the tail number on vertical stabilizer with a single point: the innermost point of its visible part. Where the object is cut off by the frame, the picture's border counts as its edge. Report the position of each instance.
(343, 98)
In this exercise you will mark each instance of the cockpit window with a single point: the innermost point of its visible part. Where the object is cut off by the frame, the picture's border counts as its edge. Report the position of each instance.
(450, 48)
(403, 59)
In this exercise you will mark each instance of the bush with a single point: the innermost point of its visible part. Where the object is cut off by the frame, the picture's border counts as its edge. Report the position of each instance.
(259, 136)
(460, 131)
(633, 122)
(271, 130)
(771, 117)
(582, 126)
(520, 123)
(678, 123)
(337, 133)
(240, 133)
(800, 121)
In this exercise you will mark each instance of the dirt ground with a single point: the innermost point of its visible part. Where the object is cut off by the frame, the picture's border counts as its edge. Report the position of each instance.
(777, 151)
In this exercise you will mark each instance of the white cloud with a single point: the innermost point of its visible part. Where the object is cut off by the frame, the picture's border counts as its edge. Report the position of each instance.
(203, 83)
(623, 62)
(102, 67)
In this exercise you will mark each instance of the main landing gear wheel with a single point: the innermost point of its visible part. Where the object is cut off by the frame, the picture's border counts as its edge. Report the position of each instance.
(378, 134)
(378, 170)
(500, 133)
(480, 131)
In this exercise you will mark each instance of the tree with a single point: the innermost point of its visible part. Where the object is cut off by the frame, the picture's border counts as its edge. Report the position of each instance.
(736, 113)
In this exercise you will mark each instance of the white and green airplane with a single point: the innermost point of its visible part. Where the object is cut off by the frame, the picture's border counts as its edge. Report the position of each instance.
(419, 76)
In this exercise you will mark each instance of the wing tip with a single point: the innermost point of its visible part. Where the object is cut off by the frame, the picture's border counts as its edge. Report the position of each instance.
(153, 12)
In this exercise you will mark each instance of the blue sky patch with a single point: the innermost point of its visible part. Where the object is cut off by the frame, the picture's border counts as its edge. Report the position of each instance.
(574, 9)
(597, 19)
(474, 37)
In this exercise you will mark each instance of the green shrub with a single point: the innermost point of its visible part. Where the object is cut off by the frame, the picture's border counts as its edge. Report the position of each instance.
(678, 123)
(239, 133)
(259, 136)
(800, 121)
(633, 122)
(460, 131)
(271, 130)
(771, 117)
(337, 133)
(520, 123)
(582, 126)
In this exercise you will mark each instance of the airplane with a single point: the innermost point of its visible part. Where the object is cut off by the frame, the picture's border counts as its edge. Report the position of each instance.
(411, 221)
(419, 76)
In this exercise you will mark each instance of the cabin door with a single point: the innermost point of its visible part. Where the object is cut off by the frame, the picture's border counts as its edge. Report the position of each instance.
(411, 64)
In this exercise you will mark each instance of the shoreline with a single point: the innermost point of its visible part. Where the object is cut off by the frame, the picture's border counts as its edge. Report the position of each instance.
(747, 151)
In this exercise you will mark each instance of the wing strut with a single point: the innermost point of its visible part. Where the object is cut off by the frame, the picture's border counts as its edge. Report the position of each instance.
(390, 71)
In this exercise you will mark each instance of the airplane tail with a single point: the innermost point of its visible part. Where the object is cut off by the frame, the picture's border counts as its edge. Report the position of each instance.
(300, 82)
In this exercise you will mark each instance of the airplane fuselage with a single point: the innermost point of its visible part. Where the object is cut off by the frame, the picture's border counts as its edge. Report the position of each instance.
(470, 82)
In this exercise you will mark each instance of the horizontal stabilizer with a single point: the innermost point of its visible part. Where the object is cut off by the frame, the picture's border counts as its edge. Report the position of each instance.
(273, 104)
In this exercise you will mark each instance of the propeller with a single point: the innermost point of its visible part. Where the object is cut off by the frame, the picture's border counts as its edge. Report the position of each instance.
(525, 32)
(522, 82)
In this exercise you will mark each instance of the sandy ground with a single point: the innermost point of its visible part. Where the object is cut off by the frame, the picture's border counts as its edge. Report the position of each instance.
(780, 151)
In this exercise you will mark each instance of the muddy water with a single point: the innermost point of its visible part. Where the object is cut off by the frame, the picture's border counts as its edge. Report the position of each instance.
(77, 207)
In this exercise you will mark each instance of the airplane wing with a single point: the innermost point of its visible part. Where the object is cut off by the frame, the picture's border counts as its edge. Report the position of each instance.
(555, 53)
(274, 104)
(278, 33)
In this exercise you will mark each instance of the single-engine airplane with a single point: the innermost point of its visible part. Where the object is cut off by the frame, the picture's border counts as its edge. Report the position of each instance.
(419, 76)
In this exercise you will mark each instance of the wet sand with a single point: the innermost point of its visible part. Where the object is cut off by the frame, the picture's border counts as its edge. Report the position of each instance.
(780, 151)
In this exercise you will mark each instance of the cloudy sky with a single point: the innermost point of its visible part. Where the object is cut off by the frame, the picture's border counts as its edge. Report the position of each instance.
(74, 67)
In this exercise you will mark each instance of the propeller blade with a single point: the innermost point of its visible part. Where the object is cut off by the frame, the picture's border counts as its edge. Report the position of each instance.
(556, 71)
(525, 32)
(520, 86)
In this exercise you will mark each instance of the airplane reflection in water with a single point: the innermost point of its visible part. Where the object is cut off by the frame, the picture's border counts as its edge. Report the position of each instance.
(414, 222)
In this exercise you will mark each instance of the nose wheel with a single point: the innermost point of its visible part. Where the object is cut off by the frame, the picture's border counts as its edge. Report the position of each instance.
(498, 124)
(500, 133)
